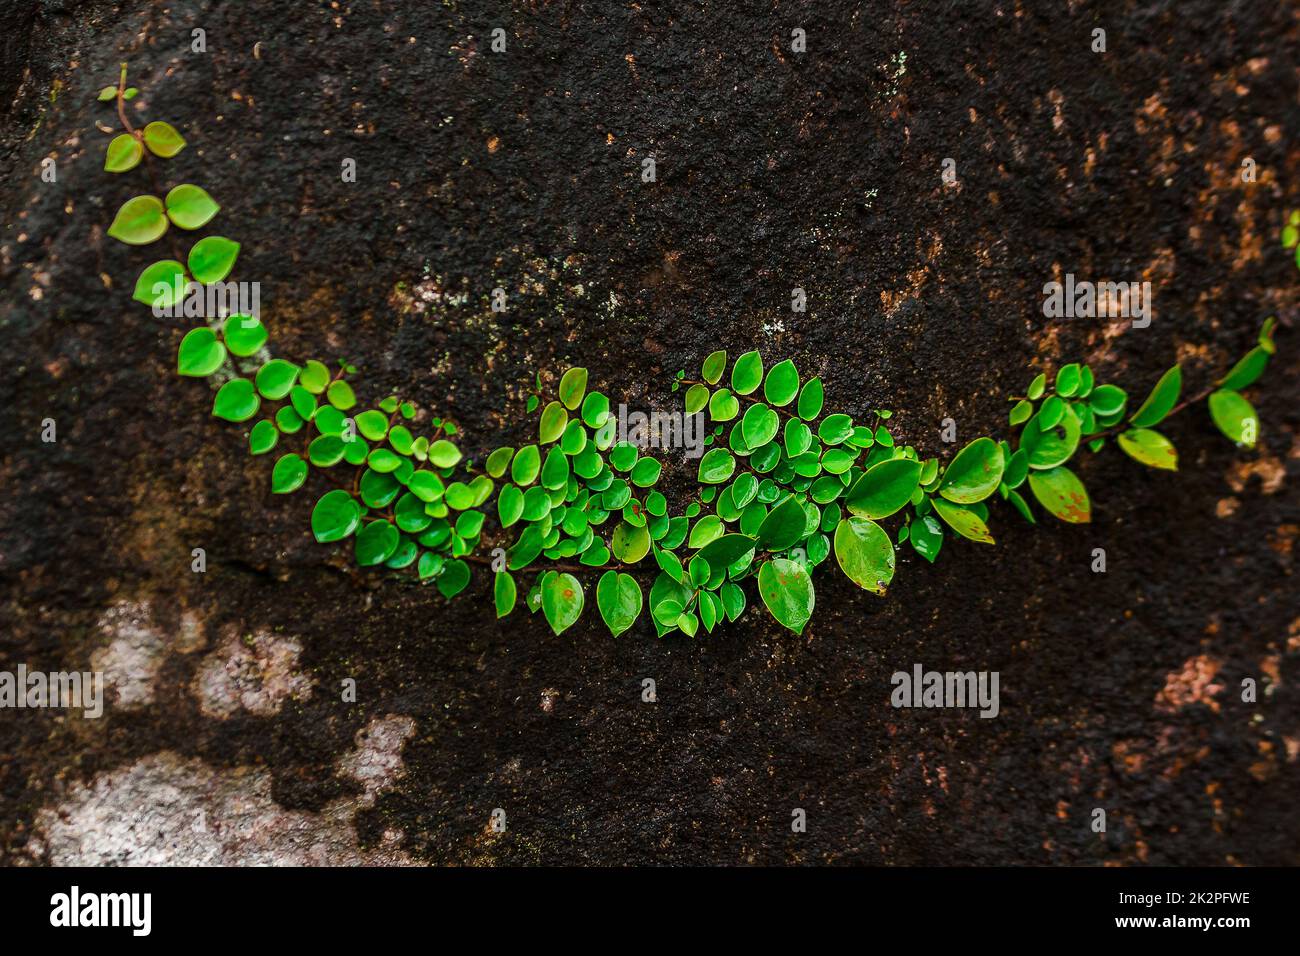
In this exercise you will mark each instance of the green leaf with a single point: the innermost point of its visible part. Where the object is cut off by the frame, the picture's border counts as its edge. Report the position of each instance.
(747, 373)
(376, 542)
(811, 397)
(124, 154)
(275, 378)
(1062, 493)
(619, 600)
(499, 461)
(340, 395)
(974, 474)
(236, 401)
(211, 258)
(244, 334)
(710, 608)
(926, 537)
(445, 454)
(1021, 505)
(646, 472)
(510, 505)
(670, 564)
(716, 466)
(288, 420)
(526, 549)
(865, 553)
(630, 543)
(325, 451)
(404, 556)
(573, 385)
(262, 438)
(555, 472)
(527, 463)
(1048, 448)
(787, 591)
(454, 579)
(623, 456)
(1150, 448)
(1161, 400)
(713, 367)
(781, 386)
(759, 425)
(430, 564)
(727, 550)
(884, 488)
(1234, 416)
(314, 377)
(304, 402)
(1108, 400)
(162, 139)
(1017, 468)
(733, 600)
(288, 475)
(190, 206)
(707, 529)
(834, 429)
(1051, 412)
(504, 593)
(1247, 371)
(962, 519)
(783, 527)
(372, 424)
(1021, 412)
(335, 516)
(723, 406)
(200, 353)
(697, 399)
(1037, 387)
(561, 600)
(107, 93)
(595, 409)
(1068, 380)
(554, 418)
(139, 222)
(161, 285)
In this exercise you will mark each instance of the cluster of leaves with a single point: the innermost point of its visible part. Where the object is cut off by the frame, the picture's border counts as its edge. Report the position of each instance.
(782, 484)
(1053, 422)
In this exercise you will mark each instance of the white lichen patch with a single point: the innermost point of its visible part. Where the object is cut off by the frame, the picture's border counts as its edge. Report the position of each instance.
(256, 673)
(130, 655)
(377, 761)
(166, 810)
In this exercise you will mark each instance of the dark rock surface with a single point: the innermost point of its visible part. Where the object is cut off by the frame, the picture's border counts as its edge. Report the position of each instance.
(228, 737)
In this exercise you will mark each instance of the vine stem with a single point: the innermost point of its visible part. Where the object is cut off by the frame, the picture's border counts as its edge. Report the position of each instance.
(1124, 426)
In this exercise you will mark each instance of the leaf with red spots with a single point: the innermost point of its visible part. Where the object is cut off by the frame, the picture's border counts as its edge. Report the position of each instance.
(1061, 492)
(561, 600)
(787, 591)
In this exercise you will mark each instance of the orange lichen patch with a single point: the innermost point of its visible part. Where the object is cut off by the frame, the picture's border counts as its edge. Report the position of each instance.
(1193, 684)
(1227, 507)
(1262, 769)
(1182, 761)
(892, 299)
(1283, 539)
(1152, 120)
(1062, 810)
(1293, 636)
(1271, 667)
(1056, 98)
(493, 144)
(1269, 469)
(1125, 754)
